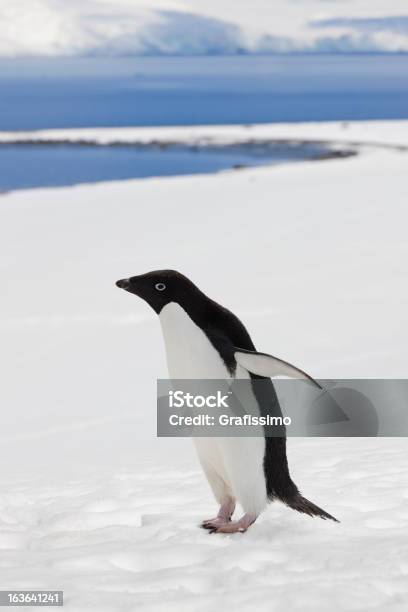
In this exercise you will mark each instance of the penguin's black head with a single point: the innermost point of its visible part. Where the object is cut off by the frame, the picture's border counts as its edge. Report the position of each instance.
(161, 287)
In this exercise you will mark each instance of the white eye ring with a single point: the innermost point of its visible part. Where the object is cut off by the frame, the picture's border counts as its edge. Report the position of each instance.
(160, 286)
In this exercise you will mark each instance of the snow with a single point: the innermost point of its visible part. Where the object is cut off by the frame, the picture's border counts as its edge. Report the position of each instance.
(131, 541)
(312, 256)
(380, 134)
(58, 28)
(196, 27)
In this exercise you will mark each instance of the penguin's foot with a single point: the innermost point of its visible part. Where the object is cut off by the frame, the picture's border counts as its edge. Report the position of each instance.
(235, 526)
(224, 515)
(214, 523)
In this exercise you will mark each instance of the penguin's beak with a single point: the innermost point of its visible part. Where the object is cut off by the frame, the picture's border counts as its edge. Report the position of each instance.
(123, 283)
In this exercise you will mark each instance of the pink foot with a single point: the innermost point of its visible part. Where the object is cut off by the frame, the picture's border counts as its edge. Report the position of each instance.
(234, 527)
(214, 523)
(224, 516)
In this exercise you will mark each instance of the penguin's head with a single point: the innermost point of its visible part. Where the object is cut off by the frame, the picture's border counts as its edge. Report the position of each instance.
(161, 287)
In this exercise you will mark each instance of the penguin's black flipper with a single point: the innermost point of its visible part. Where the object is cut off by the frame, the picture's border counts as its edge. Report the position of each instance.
(269, 366)
(301, 504)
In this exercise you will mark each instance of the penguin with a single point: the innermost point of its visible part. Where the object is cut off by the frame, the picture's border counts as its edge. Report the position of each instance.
(204, 340)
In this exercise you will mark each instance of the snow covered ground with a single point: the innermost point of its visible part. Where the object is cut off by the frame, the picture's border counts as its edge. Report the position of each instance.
(313, 257)
(381, 133)
(199, 27)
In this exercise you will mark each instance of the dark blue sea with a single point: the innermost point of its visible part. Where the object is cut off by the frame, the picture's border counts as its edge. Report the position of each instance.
(36, 94)
(26, 166)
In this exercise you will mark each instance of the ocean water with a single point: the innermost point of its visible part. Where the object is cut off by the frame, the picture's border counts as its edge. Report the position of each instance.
(93, 92)
(28, 166)
(183, 91)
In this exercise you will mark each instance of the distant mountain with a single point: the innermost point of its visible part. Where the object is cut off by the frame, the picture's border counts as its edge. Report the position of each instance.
(60, 27)
(163, 27)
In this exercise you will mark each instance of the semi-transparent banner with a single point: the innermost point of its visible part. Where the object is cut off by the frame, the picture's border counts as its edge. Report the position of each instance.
(261, 407)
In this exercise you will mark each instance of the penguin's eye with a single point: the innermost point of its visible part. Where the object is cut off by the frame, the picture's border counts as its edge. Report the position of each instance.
(160, 286)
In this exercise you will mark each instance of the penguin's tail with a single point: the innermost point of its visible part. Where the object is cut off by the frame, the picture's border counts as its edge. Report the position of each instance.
(301, 504)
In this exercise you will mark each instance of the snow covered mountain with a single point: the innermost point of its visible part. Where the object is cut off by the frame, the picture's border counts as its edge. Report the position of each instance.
(55, 27)
(195, 27)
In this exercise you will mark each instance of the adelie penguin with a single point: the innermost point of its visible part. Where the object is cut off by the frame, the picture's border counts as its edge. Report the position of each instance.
(204, 340)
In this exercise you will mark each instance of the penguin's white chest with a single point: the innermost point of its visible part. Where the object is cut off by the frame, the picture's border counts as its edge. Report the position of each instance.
(189, 352)
(233, 466)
